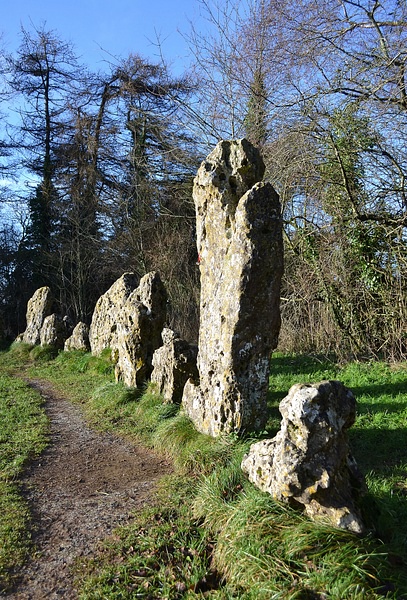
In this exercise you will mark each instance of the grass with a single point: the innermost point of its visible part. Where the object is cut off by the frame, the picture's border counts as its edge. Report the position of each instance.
(163, 554)
(270, 550)
(210, 533)
(23, 435)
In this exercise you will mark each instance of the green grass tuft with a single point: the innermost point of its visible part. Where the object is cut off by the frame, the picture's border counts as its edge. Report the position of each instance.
(271, 549)
(79, 361)
(19, 352)
(163, 554)
(43, 353)
(15, 539)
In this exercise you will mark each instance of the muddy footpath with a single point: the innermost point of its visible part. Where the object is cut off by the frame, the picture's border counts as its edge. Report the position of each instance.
(83, 486)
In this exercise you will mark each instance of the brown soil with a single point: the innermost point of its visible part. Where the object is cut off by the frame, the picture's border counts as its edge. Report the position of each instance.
(84, 485)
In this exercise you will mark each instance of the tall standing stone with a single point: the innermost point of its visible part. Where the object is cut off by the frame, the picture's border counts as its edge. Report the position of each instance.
(239, 241)
(38, 308)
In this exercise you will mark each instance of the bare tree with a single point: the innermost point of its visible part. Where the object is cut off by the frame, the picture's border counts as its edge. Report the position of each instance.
(331, 73)
(124, 172)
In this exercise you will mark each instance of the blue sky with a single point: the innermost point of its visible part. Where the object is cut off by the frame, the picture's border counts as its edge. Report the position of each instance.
(100, 29)
(117, 27)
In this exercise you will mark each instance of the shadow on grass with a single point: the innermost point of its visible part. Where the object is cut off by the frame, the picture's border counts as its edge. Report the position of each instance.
(285, 370)
(379, 449)
(300, 364)
(378, 390)
(274, 398)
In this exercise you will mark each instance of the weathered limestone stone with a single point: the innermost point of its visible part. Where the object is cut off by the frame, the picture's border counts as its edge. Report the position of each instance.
(79, 340)
(54, 331)
(174, 363)
(308, 461)
(38, 307)
(239, 241)
(138, 333)
(102, 332)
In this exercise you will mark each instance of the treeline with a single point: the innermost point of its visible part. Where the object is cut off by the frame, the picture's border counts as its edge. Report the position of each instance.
(106, 168)
(109, 158)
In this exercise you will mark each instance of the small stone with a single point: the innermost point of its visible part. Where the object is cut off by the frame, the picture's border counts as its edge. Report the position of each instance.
(174, 363)
(79, 340)
(309, 462)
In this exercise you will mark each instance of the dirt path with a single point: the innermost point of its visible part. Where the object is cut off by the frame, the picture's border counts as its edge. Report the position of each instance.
(84, 485)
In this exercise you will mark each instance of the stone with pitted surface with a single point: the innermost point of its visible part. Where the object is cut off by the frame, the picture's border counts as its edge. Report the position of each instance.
(239, 242)
(79, 339)
(139, 324)
(174, 363)
(308, 462)
(54, 331)
(38, 307)
(102, 332)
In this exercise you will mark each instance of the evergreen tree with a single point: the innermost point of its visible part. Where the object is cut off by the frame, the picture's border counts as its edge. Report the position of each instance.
(43, 73)
(256, 118)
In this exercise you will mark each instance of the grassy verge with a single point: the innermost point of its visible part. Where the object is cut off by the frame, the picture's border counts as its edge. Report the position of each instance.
(23, 434)
(211, 534)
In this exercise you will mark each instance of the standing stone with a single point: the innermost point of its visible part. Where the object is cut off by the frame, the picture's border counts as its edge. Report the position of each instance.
(174, 363)
(54, 331)
(308, 462)
(240, 248)
(79, 340)
(138, 333)
(38, 307)
(102, 332)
